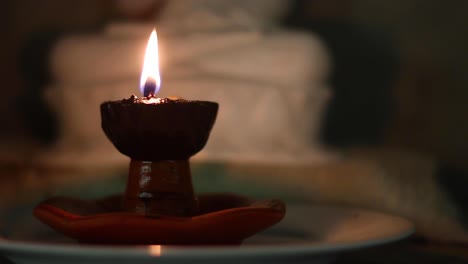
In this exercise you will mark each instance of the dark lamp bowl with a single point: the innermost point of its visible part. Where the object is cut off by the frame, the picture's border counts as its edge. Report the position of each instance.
(167, 130)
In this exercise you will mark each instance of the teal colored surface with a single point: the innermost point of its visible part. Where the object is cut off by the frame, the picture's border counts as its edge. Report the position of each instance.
(207, 177)
(213, 177)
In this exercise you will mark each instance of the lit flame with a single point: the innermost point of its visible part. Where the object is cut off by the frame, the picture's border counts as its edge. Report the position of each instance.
(150, 81)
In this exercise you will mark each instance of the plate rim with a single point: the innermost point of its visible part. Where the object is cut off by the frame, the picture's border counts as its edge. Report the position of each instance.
(11, 247)
(177, 252)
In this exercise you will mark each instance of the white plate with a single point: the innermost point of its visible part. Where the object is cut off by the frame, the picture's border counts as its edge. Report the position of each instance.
(308, 234)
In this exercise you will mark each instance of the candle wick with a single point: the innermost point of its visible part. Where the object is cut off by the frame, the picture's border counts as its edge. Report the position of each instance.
(150, 88)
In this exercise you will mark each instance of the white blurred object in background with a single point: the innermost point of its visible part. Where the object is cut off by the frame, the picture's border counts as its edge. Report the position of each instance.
(270, 82)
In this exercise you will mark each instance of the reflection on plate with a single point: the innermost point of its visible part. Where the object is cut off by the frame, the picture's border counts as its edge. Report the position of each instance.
(308, 234)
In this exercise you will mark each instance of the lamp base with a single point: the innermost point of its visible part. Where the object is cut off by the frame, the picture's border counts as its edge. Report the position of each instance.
(156, 188)
(223, 219)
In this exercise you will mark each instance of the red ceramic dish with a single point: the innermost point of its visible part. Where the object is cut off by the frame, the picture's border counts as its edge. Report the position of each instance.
(222, 219)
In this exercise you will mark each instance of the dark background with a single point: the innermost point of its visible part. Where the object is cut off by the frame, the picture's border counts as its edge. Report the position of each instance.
(399, 76)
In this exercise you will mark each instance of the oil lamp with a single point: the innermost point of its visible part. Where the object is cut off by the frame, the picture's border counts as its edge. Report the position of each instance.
(159, 205)
(159, 135)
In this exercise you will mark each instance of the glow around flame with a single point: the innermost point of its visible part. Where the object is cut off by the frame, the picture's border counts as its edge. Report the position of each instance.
(150, 74)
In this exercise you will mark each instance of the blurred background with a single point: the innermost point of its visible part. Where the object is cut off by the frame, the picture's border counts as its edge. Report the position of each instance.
(388, 75)
(398, 68)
